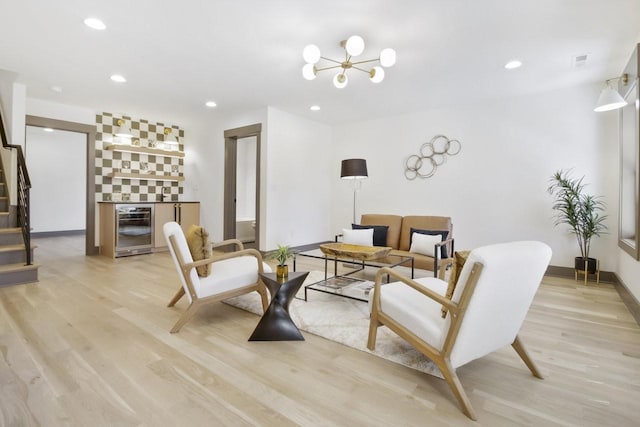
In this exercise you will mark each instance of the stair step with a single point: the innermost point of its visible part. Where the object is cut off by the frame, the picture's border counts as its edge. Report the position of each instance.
(15, 274)
(12, 248)
(17, 267)
(10, 230)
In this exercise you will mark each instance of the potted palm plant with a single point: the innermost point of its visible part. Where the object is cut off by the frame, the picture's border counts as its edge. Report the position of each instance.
(282, 254)
(581, 212)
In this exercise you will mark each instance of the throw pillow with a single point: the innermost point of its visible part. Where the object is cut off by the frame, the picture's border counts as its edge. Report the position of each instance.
(200, 247)
(459, 258)
(358, 237)
(443, 233)
(424, 243)
(379, 233)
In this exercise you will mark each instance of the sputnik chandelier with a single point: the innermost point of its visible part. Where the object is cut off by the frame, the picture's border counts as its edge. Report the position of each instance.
(353, 46)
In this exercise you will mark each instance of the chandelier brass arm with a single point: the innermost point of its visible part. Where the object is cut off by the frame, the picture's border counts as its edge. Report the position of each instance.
(353, 46)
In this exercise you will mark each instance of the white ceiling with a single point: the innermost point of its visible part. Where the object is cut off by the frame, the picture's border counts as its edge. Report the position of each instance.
(247, 54)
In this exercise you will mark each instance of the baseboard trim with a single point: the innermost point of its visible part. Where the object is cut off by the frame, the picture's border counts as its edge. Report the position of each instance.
(605, 276)
(58, 233)
(629, 299)
(309, 247)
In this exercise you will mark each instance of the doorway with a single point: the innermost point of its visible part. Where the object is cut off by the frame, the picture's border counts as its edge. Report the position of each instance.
(89, 133)
(55, 161)
(242, 185)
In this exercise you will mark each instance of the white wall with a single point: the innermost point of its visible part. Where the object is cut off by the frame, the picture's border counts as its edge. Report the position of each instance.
(495, 189)
(294, 172)
(299, 157)
(57, 168)
(55, 110)
(13, 96)
(204, 165)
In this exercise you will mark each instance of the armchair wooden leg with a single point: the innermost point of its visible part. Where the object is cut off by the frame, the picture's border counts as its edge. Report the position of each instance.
(452, 379)
(184, 318)
(519, 348)
(176, 297)
(263, 296)
(373, 330)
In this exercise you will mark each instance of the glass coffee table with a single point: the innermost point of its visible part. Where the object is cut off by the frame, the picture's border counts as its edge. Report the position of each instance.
(345, 285)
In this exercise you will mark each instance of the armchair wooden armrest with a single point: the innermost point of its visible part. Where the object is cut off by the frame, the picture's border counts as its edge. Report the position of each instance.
(440, 299)
(236, 242)
(229, 255)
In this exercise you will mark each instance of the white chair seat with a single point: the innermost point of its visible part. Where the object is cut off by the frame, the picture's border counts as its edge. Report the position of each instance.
(420, 315)
(228, 273)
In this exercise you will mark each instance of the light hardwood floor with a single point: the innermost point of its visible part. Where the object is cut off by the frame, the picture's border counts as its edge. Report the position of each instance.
(89, 345)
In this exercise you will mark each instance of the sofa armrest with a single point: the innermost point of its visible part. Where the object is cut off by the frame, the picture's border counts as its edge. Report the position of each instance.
(446, 262)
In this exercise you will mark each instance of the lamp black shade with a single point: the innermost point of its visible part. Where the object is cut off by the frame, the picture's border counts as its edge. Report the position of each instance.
(354, 169)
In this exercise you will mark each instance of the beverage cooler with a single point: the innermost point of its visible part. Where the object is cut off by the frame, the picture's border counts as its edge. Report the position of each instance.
(134, 229)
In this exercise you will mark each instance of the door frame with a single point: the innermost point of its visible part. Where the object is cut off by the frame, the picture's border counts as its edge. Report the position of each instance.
(90, 132)
(231, 137)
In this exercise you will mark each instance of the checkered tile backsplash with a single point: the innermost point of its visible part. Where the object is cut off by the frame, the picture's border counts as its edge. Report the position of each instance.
(145, 134)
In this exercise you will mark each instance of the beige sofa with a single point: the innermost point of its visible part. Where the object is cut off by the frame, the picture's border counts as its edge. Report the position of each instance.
(399, 238)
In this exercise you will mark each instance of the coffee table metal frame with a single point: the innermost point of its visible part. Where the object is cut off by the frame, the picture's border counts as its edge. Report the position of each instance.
(358, 264)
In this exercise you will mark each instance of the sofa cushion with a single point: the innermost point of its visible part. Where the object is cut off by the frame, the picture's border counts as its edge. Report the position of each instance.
(420, 261)
(444, 234)
(421, 223)
(394, 222)
(379, 233)
(362, 237)
(422, 243)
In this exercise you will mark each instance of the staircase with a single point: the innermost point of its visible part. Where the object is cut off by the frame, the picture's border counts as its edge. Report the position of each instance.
(13, 267)
(16, 250)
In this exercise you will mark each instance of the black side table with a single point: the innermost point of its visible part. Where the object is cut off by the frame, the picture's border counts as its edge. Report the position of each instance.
(276, 323)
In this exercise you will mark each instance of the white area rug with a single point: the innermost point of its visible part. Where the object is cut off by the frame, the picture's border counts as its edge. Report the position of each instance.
(345, 321)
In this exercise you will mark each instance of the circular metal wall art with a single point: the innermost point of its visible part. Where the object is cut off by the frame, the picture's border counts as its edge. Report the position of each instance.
(432, 154)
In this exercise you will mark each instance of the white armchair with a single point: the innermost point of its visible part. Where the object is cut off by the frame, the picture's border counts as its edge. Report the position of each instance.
(232, 273)
(491, 299)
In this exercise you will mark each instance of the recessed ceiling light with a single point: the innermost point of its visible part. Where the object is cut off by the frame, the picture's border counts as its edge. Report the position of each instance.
(94, 23)
(315, 108)
(513, 64)
(47, 129)
(57, 89)
(210, 104)
(118, 78)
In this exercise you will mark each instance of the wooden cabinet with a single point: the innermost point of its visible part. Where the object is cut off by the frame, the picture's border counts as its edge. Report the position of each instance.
(184, 213)
(164, 213)
(107, 229)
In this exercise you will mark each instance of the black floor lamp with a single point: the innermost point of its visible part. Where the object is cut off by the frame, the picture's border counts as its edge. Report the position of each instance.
(356, 170)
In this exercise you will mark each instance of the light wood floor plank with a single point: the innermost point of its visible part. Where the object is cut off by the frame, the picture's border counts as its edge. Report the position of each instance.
(89, 345)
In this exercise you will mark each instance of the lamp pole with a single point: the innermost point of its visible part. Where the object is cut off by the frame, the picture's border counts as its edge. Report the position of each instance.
(356, 170)
(357, 185)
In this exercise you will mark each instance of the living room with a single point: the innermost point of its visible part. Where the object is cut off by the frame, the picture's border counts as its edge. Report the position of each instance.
(512, 141)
